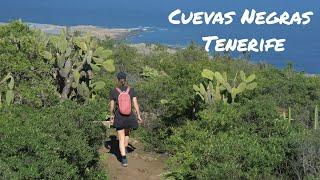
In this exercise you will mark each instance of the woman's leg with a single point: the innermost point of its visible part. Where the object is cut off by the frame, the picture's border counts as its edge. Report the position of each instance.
(127, 133)
(126, 141)
(121, 137)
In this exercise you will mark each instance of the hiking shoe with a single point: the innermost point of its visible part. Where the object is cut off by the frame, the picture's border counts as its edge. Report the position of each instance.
(124, 162)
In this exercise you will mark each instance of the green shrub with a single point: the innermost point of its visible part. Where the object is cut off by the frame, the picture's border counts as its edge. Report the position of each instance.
(297, 89)
(305, 161)
(58, 142)
(192, 53)
(239, 141)
(20, 54)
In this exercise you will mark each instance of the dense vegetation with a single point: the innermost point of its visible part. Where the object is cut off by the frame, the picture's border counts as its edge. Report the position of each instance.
(46, 133)
(216, 117)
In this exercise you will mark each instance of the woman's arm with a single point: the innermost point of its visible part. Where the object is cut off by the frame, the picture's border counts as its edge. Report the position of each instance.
(136, 107)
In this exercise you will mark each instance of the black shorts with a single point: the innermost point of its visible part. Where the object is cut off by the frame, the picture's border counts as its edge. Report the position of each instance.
(125, 127)
(129, 129)
(125, 122)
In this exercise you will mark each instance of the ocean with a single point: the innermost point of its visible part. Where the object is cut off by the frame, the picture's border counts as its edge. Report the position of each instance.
(302, 45)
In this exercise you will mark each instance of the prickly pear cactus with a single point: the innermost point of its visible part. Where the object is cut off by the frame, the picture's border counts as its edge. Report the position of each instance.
(7, 86)
(76, 60)
(239, 87)
(209, 93)
(218, 93)
(250, 85)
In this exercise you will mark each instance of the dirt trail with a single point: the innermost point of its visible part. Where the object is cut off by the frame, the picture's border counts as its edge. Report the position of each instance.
(142, 165)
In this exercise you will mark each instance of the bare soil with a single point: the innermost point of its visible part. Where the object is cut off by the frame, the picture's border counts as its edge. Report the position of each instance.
(143, 165)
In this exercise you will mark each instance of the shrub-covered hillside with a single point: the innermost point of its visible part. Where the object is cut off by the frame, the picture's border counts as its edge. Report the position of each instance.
(216, 116)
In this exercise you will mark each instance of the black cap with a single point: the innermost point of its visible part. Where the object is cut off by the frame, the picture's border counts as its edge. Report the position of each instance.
(121, 75)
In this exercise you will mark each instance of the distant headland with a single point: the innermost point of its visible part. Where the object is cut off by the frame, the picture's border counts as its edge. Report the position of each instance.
(99, 32)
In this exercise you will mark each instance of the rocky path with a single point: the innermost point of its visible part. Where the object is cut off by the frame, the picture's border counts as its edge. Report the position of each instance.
(142, 165)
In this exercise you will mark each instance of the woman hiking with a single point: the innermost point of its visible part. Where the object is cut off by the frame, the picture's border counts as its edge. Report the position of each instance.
(122, 118)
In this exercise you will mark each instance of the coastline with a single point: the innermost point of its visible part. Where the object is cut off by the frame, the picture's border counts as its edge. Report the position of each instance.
(100, 33)
(112, 33)
(96, 31)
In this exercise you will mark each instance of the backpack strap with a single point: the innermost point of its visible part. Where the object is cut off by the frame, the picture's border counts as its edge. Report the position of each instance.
(119, 90)
(128, 89)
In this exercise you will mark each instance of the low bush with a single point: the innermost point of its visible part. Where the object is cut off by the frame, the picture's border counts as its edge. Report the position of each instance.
(232, 141)
(20, 54)
(58, 142)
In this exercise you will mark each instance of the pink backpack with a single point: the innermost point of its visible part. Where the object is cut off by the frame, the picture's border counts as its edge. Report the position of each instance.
(124, 101)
